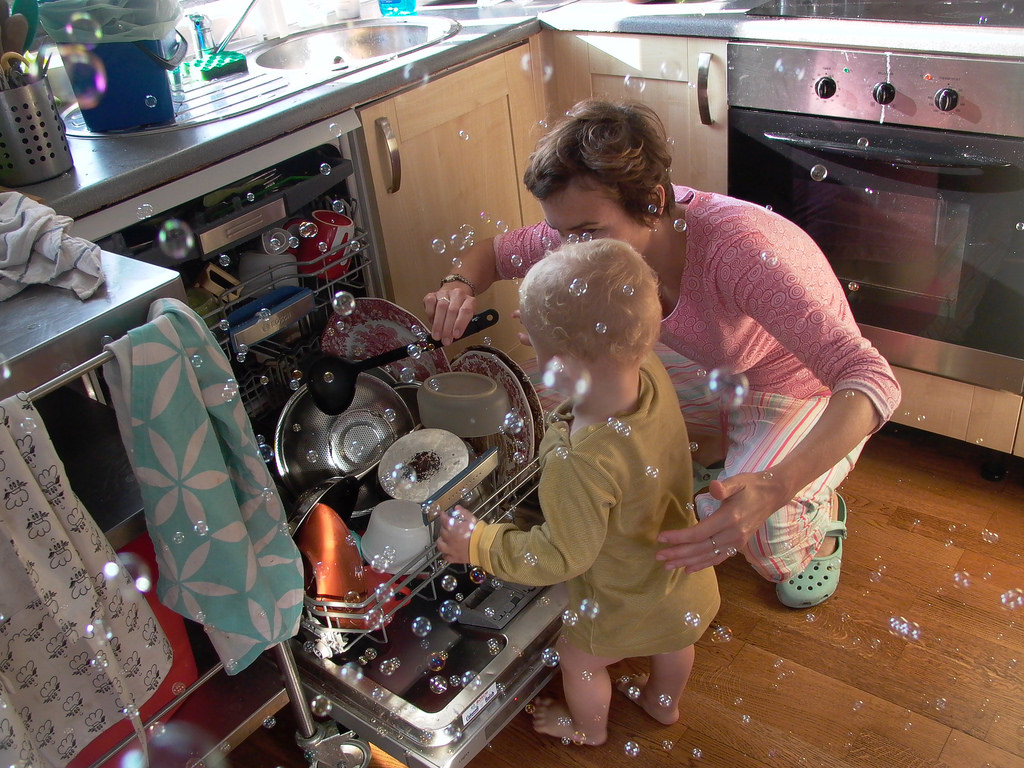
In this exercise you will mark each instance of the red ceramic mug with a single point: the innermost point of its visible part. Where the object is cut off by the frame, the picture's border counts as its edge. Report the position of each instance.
(323, 252)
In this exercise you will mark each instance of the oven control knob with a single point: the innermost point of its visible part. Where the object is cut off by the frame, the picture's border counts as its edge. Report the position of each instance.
(946, 99)
(884, 93)
(825, 87)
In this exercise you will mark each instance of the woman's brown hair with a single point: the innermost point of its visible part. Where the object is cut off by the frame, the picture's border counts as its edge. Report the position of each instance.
(619, 146)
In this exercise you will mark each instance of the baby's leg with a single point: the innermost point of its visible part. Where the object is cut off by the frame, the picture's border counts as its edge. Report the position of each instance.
(660, 691)
(588, 692)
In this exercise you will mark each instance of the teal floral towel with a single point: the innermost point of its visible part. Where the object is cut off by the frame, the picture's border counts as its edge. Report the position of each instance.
(225, 556)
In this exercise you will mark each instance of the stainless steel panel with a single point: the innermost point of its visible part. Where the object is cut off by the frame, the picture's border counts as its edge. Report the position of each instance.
(49, 330)
(782, 78)
(974, 366)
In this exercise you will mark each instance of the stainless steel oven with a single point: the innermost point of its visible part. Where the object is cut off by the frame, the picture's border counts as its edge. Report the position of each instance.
(908, 171)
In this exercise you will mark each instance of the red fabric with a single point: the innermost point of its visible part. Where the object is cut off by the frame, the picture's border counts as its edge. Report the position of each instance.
(183, 670)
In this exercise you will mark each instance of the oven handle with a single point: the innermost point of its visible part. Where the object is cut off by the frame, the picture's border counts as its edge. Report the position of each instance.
(905, 158)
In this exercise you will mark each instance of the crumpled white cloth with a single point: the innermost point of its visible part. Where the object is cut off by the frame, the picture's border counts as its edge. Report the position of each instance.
(35, 248)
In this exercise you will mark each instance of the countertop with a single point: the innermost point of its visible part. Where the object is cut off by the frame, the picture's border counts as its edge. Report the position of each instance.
(112, 169)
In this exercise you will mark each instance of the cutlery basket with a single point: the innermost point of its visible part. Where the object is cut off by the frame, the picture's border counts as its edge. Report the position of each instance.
(33, 144)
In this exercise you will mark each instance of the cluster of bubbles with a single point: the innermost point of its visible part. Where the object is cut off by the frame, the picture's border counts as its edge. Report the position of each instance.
(905, 628)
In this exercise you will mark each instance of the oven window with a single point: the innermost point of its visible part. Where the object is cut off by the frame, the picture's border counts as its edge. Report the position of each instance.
(922, 228)
(905, 251)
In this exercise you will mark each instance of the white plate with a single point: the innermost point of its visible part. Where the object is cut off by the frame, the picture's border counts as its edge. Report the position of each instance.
(376, 326)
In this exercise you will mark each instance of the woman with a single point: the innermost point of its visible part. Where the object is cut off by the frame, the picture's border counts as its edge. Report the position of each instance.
(752, 305)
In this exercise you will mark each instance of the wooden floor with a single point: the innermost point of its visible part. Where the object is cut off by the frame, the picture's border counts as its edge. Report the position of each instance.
(930, 542)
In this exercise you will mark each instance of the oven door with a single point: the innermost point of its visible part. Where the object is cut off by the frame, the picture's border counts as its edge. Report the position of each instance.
(924, 228)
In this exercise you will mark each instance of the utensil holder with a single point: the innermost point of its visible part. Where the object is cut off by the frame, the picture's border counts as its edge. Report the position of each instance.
(33, 143)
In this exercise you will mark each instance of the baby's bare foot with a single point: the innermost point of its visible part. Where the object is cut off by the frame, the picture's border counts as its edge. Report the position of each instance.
(553, 719)
(635, 689)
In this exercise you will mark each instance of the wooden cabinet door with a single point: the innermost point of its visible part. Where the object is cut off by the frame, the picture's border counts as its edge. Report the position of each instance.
(459, 141)
(682, 79)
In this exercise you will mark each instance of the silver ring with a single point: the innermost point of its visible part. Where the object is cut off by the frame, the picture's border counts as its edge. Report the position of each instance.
(443, 298)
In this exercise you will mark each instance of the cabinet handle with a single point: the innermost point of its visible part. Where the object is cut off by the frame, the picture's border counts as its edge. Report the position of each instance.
(393, 160)
(703, 70)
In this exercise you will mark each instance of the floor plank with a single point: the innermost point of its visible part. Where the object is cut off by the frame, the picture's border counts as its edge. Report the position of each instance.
(930, 541)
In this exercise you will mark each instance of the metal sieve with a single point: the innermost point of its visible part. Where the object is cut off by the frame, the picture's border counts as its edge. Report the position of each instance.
(311, 446)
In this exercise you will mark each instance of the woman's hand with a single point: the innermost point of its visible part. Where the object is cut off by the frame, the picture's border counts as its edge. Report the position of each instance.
(450, 308)
(747, 501)
(453, 539)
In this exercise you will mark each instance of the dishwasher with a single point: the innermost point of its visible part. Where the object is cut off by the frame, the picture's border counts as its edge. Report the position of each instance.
(438, 658)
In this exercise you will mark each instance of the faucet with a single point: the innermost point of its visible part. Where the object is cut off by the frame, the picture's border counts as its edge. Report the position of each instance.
(234, 29)
(204, 32)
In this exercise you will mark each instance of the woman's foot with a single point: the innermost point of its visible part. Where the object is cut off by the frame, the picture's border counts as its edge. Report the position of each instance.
(553, 719)
(665, 712)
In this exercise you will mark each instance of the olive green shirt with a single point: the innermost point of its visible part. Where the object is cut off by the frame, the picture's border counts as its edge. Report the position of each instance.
(606, 493)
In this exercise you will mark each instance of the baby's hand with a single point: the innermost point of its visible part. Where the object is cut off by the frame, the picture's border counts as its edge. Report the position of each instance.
(453, 540)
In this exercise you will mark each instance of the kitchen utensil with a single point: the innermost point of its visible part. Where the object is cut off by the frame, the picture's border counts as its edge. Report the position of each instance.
(29, 111)
(419, 464)
(334, 568)
(375, 326)
(258, 271)
(30, 10)
(396, 536)
(218, 196)
(311, 446)
(468, 404)
(331, 379)
(339, 493)
(13, 33)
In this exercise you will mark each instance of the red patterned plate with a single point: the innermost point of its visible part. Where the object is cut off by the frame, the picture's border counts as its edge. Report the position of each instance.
(376, 326)
(516, 450)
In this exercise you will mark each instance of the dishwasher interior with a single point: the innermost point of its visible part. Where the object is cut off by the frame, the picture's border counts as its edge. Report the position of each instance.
(437, 658)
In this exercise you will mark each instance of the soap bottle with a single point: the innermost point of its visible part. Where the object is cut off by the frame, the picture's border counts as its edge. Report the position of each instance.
(397, 7)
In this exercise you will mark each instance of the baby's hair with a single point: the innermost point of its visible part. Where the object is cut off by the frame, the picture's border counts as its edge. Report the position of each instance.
(595, 300)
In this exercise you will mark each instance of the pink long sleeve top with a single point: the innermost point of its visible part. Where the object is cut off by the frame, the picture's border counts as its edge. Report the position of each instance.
(757, 297)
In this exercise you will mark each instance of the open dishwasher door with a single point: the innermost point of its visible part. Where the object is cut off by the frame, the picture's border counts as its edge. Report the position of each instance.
(453, 654)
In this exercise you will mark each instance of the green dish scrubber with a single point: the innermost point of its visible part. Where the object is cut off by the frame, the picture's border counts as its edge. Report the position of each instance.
(221, 64)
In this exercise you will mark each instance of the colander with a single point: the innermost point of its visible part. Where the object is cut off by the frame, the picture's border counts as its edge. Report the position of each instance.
(310, 446)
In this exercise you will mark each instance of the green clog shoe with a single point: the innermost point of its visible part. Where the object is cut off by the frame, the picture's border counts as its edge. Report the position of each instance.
(818, 581)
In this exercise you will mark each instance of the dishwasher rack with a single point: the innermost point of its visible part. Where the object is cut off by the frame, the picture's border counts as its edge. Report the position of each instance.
(334, 626)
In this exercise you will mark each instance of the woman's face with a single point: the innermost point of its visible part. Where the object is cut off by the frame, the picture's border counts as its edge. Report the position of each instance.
(583, 209)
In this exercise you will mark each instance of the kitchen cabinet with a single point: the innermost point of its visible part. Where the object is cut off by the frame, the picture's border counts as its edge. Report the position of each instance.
(963, 411)
(446, 159)
(682, 79)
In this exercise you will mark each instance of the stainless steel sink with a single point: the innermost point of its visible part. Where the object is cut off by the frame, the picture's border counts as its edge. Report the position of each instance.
(353, 44)
(283, 68)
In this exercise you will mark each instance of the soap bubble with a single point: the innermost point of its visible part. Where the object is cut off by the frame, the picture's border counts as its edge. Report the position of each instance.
(320, 706)
(691, 619)
(566, 377)
(388, 667)
(721, 634)
(819, 172)
(577, 287)
(477, 575)
(449, 611)
(1012, 599)
(176, 239)
(731, 388)
(570, 618)
(601, 328)
(632, 748)
(421, 626)
(651, 472)
(308, 229)
(672, 70)
(83, 28)
(449, 583)
(550, 657)
(87, 74)
(438, 684)
(901, 627)
(679, 225)
(990, 536)
(589, 608)
(863, 142)
(344, 303)
(230, 390)
(635, 85)
(513, 423)
(325, 169)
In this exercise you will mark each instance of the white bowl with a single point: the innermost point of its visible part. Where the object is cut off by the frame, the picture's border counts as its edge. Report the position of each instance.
(466, 404)
(396, 536)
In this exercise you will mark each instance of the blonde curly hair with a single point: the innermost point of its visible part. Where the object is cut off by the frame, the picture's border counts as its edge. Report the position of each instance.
(595, 300)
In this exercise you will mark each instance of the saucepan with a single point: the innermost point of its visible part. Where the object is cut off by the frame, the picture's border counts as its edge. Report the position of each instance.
(332, 380)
